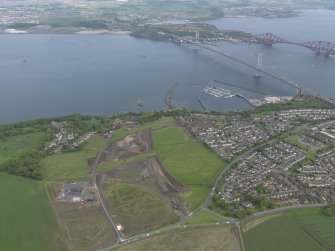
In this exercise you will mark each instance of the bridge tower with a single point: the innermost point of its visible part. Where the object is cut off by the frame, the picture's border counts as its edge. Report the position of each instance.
(197, 37)
(259, 65)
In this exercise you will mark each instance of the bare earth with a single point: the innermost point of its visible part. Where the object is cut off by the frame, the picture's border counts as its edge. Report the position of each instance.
(151, 174)
(85, 227)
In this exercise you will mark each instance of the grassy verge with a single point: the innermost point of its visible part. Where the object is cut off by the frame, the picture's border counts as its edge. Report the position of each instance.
(203, 217)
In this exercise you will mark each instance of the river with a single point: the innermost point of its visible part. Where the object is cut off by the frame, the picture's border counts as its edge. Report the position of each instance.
(52, 75)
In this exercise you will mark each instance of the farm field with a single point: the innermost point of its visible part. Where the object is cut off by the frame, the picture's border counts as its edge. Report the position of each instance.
(14, 146)
(296, 230)
(84, 228)
(71, 165)
(66, 166)
(26, 216)
(208, 239)
(137, 208)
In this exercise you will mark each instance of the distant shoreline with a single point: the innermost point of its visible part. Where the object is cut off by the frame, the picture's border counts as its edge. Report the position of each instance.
(99, 32)
(60, 32)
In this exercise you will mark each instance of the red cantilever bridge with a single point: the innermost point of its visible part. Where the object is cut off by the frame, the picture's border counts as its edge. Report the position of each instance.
(318, 47)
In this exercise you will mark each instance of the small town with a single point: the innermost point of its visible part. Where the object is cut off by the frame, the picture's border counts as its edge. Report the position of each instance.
(65, 139)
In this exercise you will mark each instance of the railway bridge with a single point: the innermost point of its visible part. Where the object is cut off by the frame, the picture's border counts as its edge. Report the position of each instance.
(318, 47)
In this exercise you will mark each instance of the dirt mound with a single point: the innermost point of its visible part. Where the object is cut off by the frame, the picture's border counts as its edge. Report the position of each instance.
(129, 146)
(150, 173)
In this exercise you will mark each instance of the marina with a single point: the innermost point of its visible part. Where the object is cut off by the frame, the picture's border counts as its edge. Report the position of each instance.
(218, 92)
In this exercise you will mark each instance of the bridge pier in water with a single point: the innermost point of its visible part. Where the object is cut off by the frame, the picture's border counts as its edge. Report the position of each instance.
(259, 65)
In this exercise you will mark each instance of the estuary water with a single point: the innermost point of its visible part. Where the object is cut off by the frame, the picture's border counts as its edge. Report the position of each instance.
(52, 75)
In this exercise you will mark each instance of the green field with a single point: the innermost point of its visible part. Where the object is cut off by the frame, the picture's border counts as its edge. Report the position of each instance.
(155, 125)
(188, 161)
(71, 165)
(27, 221)
(295, 230)
(14, 146)
(322, 228)
(137, 208)
(202, 239)
(202, 218)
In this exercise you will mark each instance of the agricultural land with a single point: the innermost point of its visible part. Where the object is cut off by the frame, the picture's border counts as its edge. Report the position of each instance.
(194, 239)
(300, 229)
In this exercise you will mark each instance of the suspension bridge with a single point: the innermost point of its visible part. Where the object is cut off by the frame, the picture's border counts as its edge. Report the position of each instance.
(318, 47)
(258, 68)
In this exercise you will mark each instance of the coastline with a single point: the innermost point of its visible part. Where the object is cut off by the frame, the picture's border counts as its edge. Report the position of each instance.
(64, 32)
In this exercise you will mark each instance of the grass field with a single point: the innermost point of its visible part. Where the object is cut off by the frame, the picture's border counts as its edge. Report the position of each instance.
(190, 162)
(202, 218)
(13, 147)
(322, 228)
(27, 221)
(71, 165)
(213, 239)
(155, 125)
(295, 230)
(137, 208)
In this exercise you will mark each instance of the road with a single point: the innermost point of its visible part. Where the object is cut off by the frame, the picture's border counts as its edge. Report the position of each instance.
(159, 231)
(103, 206)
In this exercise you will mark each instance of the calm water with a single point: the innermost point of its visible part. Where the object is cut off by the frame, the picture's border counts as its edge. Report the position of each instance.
(51, 75)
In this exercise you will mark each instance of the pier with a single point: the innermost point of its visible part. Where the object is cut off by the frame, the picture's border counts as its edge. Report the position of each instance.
(202, 105)
(168, 97)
